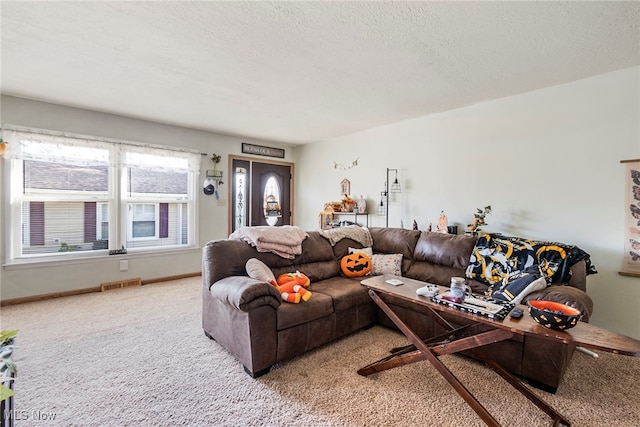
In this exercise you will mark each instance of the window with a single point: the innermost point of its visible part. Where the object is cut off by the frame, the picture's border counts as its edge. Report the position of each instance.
(271, 202)
(73, 195)
(144, 221)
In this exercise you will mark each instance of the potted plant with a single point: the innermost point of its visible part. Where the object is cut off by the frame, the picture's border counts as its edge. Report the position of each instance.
(8, 372)
(478, 219)
(215, 159)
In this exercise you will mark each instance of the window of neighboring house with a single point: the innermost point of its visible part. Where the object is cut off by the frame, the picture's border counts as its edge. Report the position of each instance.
(72, 196)
(144, 221)
(102, 222)
(156, 192)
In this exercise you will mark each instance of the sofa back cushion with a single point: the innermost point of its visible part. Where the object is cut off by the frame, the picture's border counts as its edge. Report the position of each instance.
(316, 261)
(228, 257)
(223, 258)
(395, 241)
(342, 246)
(444, 249)
(438, 257)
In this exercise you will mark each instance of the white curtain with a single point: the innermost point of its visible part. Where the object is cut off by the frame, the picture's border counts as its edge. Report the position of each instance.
(82, 150)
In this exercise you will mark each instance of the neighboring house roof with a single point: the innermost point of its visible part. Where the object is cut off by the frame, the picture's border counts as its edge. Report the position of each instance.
(59, 176)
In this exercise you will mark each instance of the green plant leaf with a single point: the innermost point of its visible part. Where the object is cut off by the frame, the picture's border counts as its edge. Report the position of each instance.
(8, 364)
(6, 336)
(5, 392)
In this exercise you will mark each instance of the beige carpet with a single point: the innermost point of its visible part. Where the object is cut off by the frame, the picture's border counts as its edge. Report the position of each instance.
(138, 357)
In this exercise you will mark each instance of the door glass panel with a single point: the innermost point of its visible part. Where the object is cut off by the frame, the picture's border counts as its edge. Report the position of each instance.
(240, 200)
(271, 203)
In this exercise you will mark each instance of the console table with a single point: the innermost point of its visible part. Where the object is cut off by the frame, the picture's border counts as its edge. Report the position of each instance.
(327, 220)
(482, 331)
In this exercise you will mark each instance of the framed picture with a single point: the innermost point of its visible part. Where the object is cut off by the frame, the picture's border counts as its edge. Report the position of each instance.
(345, 187)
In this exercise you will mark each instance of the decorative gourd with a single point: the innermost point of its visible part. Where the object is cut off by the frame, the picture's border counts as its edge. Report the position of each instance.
(355, 264)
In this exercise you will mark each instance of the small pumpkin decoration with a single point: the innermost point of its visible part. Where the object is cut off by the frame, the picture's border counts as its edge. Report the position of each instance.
(355, 264)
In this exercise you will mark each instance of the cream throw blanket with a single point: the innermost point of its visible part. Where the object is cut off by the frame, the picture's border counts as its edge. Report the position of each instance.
(353, 232)
(285, 240)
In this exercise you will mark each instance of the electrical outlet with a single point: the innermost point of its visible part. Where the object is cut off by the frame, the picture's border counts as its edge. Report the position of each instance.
(124, 265)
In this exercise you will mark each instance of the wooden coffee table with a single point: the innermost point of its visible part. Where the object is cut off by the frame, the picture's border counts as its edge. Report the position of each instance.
(475, 335)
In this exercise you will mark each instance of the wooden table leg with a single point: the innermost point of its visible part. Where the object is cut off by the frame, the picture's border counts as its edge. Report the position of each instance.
(405, 357)
(454, 341)
(440, 367)
(533, 398)
(445, 337)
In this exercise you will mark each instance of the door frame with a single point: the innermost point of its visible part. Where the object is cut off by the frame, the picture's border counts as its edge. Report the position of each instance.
(258, 160)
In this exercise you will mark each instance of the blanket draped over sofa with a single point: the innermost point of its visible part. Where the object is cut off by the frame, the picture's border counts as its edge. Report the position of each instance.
(247, 316)
(495, 257)
(285, 241)
(353, 232)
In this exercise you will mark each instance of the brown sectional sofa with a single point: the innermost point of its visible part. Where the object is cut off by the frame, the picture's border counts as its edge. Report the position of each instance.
(249, 318)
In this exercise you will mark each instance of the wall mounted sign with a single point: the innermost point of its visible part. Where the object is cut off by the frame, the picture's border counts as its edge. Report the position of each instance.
(262, 151)
(631, 262)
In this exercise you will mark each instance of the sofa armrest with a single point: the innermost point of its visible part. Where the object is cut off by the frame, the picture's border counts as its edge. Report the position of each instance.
(579, 275)
(245, 293)
(565, 294)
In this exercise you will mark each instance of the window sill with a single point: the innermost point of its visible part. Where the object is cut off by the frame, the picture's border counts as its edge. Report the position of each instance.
(89, 259)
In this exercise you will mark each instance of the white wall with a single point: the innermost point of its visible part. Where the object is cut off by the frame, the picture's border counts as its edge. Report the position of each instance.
(17, 282)
(548, 162)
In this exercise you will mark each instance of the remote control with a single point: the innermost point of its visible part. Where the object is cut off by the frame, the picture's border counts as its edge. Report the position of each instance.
(516, 313)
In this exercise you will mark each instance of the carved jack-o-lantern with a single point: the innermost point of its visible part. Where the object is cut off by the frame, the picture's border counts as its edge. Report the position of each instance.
(355, 264)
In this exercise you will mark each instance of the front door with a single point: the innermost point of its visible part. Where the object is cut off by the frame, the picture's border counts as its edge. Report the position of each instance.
(260, 193)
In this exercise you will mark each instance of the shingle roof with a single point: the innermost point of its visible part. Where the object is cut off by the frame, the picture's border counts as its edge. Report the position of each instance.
(59, 176)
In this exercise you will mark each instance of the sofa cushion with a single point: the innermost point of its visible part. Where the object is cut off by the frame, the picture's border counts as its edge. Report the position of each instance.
(386, 264)
(355, 264)
(394, 241)
(444, 249)
(317, 261)
(315, 271)
(341, 248)
(320, 305)
(437, 274)
(228, 257)
(258, 270)
(368, 250)
(568, 295)
(346, 293)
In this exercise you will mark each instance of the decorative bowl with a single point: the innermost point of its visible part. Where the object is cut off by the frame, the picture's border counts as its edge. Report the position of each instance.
(554, 315)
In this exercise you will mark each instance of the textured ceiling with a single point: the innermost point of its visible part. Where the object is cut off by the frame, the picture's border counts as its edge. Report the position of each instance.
(298, 72)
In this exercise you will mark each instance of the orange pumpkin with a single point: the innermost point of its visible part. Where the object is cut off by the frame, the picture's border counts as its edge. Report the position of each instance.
(355, 264)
